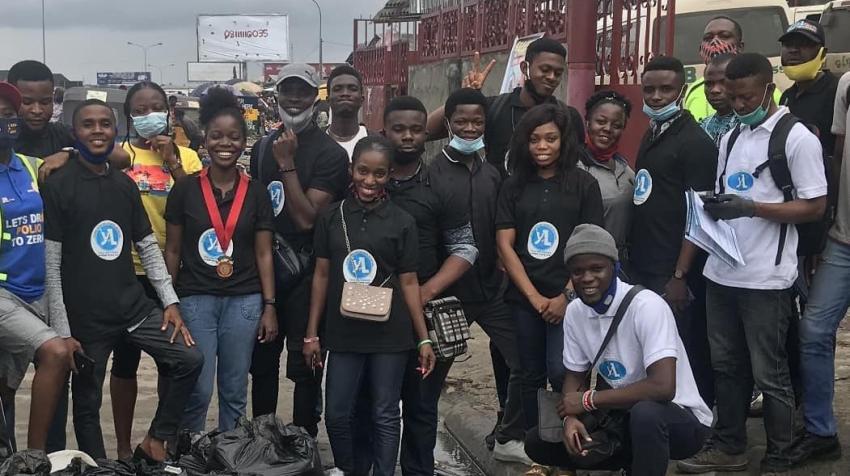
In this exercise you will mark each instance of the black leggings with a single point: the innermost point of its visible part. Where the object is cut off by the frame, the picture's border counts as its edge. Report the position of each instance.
(659, 432)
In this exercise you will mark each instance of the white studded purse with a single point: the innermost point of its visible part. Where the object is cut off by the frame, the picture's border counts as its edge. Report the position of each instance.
(362, 301)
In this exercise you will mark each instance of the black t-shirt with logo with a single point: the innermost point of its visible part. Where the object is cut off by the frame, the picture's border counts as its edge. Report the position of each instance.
(436, 209)
(45, 142)
(384, 243)
(200, 248)
(683, 157)
(544, 213)
(97, 218)
(320, 163)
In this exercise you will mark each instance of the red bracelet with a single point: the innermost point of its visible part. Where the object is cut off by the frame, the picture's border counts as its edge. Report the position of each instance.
(585, 401)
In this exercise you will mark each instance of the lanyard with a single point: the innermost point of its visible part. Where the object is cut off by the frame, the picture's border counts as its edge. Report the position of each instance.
(222, 232)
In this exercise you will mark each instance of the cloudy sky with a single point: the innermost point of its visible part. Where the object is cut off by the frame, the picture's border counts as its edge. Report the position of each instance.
(87, 36)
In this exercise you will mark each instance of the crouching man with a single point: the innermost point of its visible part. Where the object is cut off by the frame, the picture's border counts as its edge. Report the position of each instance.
(644, 369)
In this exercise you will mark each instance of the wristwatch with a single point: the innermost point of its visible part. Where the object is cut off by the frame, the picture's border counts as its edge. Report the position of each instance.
(269, 302)
(570, 295)
(679, 274)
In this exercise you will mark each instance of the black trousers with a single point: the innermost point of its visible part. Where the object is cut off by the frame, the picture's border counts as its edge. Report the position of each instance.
(292, 308)
(178, 365)
(658, 433)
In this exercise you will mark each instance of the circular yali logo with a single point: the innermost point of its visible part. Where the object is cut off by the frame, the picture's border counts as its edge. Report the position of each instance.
(107, 240)
(612, 370)
(543, 240)
(210, 249)
(359, 267)
(740, 181)
(277, 196)
(643, 187)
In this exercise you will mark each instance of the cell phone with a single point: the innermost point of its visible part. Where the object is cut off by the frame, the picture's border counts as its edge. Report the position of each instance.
(84, 363)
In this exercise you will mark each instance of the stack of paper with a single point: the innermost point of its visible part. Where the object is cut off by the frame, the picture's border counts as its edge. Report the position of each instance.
(714, 236)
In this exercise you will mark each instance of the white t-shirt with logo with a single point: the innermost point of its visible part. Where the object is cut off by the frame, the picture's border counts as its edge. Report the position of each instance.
(646, 335)
(349, 145)
(758, 238)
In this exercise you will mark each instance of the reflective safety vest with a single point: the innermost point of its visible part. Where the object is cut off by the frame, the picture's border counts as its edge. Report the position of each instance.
(31, 164)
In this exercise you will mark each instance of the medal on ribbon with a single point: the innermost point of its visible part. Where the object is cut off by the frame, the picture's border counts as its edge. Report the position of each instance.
(224, 232)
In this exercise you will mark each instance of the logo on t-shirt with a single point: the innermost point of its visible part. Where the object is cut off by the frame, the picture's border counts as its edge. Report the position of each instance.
(107, 240)
(276, 194)
(643, 187)
(542, 240)
(210, 249)
(359, 267)
(612, 370)
(740, 181)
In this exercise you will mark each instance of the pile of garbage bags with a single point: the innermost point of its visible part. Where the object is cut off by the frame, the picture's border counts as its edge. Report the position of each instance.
(264, 446)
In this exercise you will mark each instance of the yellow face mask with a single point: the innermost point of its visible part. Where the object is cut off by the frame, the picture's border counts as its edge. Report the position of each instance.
(806, 71)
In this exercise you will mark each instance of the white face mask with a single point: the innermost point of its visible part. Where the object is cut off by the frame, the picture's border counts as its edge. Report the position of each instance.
(298, 122)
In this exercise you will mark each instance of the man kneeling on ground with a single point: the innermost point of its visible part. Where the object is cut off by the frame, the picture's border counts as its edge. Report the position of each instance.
(644, 369)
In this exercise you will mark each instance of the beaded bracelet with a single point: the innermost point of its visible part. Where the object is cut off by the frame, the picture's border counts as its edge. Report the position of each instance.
(423, 342)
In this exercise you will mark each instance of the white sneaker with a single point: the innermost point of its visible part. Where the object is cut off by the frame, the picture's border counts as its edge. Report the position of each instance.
(513, 451)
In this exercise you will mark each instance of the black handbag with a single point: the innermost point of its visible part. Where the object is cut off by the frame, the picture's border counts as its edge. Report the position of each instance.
(608, 429)
(290, 265)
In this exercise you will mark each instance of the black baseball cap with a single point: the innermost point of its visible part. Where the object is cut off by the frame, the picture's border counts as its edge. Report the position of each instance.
(807, 28)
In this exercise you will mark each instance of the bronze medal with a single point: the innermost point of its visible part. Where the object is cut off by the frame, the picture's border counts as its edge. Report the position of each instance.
(224, 268)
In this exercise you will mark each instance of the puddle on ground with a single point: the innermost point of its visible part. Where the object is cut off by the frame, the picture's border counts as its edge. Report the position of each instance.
(450, 458)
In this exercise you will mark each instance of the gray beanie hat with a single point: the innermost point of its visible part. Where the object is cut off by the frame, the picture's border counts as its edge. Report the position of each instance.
(590, 239)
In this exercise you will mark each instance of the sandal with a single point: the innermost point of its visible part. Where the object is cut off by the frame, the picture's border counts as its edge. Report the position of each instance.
(141, 455)
(538, 470)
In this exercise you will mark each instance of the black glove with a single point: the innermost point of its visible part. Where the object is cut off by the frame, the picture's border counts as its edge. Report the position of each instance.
(729, 207)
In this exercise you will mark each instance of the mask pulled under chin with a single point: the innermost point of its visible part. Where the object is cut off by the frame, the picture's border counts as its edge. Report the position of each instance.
(90, 157)
(602, 306)
(466, 146)
(298, 122)
(806, 71)
(405, 158)
(532, 91)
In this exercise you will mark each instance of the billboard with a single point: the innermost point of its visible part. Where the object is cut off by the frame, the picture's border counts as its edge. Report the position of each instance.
(213, 72)
(114, 80)
(243, 38)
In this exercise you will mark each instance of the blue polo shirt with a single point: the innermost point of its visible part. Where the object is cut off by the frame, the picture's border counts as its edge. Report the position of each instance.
(22, 246)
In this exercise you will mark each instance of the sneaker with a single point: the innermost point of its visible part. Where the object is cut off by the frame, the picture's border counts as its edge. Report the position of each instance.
(756, 404)
(712, 459)
(513, 451)
(813, 447)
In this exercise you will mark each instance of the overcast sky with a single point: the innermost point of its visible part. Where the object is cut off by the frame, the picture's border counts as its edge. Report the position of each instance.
(87, 36)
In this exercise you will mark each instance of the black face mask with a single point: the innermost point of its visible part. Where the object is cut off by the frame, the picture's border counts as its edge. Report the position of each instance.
(407, 158)
(536, 96)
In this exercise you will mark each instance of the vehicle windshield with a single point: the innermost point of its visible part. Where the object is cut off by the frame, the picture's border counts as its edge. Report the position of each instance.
(836, 26)
(762, 28)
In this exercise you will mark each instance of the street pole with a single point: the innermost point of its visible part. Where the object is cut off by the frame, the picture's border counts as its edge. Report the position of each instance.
(145, 49)
(43, 36)
(321, 43)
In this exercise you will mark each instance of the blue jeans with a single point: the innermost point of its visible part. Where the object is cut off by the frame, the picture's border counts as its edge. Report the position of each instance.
(829, 298)
(382, 374)
(225, 331)
(541, 348)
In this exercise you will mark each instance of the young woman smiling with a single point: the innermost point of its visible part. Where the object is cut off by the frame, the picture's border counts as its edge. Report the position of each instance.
(219, 252)
(539, 205)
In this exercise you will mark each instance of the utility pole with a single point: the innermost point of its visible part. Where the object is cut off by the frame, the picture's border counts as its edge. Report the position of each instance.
(44, 36)
(144, 48)
(321, 43)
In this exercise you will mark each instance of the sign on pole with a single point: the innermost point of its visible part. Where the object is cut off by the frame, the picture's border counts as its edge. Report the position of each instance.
(513, 73)
(243, 38)
(114, 79)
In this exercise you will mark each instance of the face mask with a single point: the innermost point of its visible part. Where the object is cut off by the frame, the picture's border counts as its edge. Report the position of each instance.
(10, 130)
(666, 112)
(757, 115)
(298, 122)
(716, 47)
(151, 125)
(464, 146)
(806, 71)
(86, 154)
(602, 306)
(405, 158)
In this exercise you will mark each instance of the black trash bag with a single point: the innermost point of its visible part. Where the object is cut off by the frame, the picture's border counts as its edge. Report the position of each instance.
(194, 451)
(265, 446)
(26, 462)
(108, 467)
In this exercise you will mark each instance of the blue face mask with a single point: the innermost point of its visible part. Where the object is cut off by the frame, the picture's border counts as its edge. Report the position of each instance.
(666, 112)
(151, 125)
(86, 154)
(758, 115)
(602, 306)
(465, 146)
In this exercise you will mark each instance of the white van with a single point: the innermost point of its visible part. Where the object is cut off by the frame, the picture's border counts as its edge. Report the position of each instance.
(836, 25)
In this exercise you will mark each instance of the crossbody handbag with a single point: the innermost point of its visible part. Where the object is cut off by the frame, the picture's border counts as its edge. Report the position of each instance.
(362, 301)
(447, 327)
(608, 429)
(290, 263)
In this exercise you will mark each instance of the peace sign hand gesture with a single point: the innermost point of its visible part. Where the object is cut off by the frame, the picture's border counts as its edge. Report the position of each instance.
(475, 77)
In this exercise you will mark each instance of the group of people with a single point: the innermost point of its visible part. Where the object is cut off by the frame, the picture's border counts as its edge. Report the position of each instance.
(530, 216)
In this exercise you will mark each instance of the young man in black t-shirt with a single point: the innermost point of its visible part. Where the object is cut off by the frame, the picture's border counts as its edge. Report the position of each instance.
(446, 251)
(92, 215)
(304, 171)
(675, 155)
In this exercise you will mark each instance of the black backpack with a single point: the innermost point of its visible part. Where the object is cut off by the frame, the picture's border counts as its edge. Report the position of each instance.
(812, 235)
